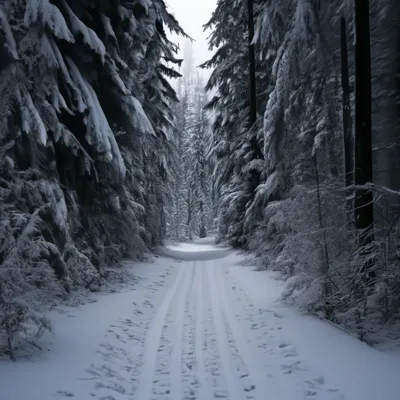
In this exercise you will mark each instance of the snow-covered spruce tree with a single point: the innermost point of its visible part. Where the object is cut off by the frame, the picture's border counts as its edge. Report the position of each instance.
(74, 137)
(189, 117)
(303, 228)
(158, 99)
(176, 209)
(303, 149)
(298, 219)
(236, 145)
(190, 211)
(196, 160)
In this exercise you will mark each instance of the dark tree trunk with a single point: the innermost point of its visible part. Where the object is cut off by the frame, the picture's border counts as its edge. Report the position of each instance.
(202, 230)
(255, 147)
(252, 65)
(189, 215)
(364, 211)
(348, 139)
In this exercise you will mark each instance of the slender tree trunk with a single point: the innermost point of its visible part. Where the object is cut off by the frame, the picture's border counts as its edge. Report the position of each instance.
(202, 230)
(163, 224)
(189, 216)
(257, 154)
(364, 211)
(346, 110)
(252, 65)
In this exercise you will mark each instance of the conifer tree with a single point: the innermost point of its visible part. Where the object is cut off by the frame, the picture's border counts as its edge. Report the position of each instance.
(85, 138)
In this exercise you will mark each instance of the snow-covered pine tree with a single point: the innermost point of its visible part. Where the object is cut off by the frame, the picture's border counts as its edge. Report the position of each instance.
(158, 100)
(196, 160)
(302, 146)
(297, 220)
(176, 210)
(236, 144)
(192, 207)
(84, 157)
(189, 120)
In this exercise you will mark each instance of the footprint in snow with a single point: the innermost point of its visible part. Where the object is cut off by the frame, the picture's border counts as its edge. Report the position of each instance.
(319, 379)
(289, 354)
(290, 367)
(65, 393)
(221, 394)
(309, 393)
(112, 386)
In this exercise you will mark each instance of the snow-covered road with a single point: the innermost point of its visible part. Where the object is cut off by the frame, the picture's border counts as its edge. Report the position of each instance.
(198, 324)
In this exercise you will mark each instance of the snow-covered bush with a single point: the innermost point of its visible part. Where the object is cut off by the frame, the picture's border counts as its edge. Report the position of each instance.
(19, 322)
(322, 264)
(32, 270)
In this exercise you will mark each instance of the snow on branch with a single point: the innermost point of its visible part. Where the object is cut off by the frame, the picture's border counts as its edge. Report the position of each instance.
(89, 35)
(50, 15)
(10, 41)
(98, 131)
(31, 121)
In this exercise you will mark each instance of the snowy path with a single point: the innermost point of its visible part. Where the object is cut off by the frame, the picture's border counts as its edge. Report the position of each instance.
(199, 326)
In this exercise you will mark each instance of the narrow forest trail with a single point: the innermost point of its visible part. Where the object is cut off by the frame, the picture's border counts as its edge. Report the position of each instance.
(206, 340)
(198, 325)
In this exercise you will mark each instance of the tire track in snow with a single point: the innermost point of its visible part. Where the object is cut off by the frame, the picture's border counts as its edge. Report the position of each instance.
(189, 367)
(214, 376)
(233, 386)
(201, 343)
(178, 346)
(248, 362)
(162, 378)
(153, 339)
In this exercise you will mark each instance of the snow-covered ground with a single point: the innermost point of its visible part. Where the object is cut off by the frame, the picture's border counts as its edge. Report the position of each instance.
(198, 324)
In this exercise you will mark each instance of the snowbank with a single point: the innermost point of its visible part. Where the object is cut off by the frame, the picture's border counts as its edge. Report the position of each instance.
(359, 371)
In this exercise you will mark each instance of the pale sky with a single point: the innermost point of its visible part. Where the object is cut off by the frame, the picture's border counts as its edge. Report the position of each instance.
(192, 15)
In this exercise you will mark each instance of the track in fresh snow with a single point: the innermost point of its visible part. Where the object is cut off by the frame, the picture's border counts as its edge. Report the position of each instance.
(197, 324)
(203, 340)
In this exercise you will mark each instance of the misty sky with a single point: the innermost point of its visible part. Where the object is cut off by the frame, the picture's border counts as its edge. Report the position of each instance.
(192, 15)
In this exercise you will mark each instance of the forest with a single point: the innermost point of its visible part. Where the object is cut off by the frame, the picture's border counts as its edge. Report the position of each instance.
(289, 150)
